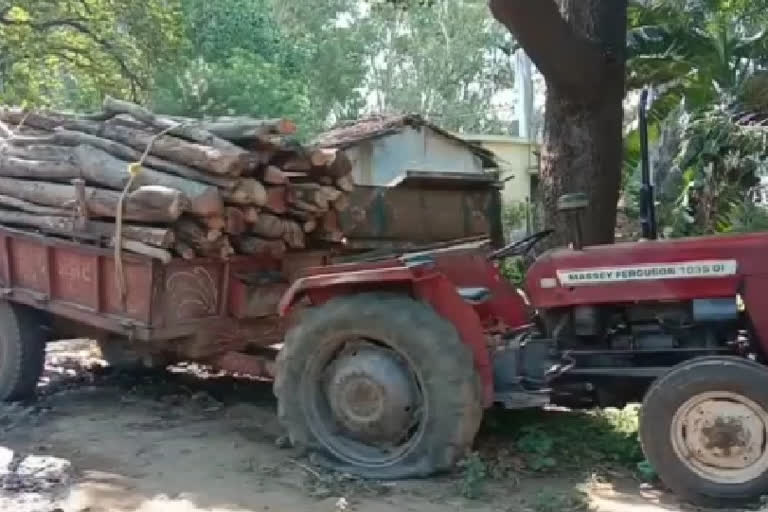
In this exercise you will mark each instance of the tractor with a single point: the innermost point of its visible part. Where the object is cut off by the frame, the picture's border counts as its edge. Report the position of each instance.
(390, 364)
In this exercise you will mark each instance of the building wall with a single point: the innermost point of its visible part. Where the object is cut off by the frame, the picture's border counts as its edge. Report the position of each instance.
(380, 161)
(517, 163)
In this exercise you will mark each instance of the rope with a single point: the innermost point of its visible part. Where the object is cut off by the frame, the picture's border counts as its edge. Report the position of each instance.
(133, 169)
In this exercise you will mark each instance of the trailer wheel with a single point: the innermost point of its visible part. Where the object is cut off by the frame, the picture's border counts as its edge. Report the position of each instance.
(704, 428)
(22, 351)
(379, 384)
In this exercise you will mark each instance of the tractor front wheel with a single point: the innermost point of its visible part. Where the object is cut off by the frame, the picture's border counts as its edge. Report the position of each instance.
(379, 384)
(704, 428)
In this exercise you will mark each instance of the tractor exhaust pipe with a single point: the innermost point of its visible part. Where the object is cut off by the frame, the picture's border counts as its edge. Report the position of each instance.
(647, 200)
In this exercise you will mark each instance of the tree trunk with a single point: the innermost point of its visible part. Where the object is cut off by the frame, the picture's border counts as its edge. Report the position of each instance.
(26, 206)
(73, 138)
(100, 167)
(156, 237)
(205, 158)
(13, 167)
(582, 153)
(580, 48)
(241, 128)
(186, 130)
(259, 246)
(145, 204)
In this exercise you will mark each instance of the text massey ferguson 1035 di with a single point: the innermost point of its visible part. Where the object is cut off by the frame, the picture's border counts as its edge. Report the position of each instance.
(677, 270)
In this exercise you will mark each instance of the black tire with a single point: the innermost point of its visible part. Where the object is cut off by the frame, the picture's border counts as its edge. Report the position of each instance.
(22, 351)
(672, 394)
(434, 352)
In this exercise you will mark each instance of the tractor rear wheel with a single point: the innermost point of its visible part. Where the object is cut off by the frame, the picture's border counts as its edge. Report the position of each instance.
(22, 351)
(704, 428)
(380, 385)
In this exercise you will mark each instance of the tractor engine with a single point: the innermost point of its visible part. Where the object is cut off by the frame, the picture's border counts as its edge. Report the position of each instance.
(697, 324)
(609, 354)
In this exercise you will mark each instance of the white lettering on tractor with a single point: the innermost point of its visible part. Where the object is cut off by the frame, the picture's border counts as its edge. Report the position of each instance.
(679, 270)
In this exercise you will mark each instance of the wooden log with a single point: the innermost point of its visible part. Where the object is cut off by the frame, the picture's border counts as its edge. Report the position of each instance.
(66, 225)
(340, 167)
(293, 234)
(186, 130)
(45, 152)
(199, 237)
(329, 229)
(309, 225)
(13, 167)
(43, 121)
(247, 192)
(240, 128)
(342, 203)
(145, 204)
(345, 183)
(5, 131)
(147, 250)
(215, 223)
(205, 158)
(296, 163)
(330, 193)
(301, 215)
(273, 175)
(251, 214)
(309, 193)
(100, 167)
(221, 248)
(297, 204)
(323, 157)
(235, 221)
(276, 200)
(73, 138)
(184, 250)
(26, 206)
(269, 226)
(254, 245)
(320, 162)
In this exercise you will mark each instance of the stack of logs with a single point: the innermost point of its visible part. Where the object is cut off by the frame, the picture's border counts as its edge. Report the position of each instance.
(184, 187)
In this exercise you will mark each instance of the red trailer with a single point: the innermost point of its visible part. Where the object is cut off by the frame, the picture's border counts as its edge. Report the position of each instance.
(207, 310)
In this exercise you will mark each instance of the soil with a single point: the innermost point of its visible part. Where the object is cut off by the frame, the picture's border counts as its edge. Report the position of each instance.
(191, 441)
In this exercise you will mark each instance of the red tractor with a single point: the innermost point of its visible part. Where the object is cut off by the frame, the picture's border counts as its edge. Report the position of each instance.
(391, 363)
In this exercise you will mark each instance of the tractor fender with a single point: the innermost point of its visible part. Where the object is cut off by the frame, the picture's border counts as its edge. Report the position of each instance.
(432, 287)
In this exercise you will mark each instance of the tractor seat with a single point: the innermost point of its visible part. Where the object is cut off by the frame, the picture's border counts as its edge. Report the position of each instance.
(474, 295)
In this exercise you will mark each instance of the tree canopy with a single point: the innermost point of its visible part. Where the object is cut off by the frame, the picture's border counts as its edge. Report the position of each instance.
(70, 52)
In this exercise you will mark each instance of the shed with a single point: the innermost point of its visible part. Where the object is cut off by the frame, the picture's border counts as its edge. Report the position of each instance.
(384, 148)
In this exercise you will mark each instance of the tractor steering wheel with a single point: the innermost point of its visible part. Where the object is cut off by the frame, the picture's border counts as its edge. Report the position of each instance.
(520, 247)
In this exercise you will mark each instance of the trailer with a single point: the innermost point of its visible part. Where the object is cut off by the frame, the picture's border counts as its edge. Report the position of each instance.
(218, 312)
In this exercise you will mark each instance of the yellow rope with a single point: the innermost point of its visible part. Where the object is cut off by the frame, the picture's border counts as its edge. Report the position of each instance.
(133, 169)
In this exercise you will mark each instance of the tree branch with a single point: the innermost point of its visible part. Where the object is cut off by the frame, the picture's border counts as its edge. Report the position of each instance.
(78, 25)
(568, 61)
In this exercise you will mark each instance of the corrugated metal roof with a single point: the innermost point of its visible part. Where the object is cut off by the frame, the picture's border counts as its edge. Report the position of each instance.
(354, 132)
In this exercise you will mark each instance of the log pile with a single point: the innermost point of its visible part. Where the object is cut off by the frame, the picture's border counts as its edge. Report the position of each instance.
(169, 187)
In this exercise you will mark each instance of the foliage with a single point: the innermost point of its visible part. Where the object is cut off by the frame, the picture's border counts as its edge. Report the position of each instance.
(474, 476)
(425, 58)
(235, 61)
(560, 441)
(720, 161)
(551, 501)
(71, 52)
(698, 55)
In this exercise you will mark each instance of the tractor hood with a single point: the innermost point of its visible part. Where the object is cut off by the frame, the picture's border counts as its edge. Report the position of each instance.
(680, 269)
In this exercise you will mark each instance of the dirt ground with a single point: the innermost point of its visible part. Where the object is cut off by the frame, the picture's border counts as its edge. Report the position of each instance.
(181, 443)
